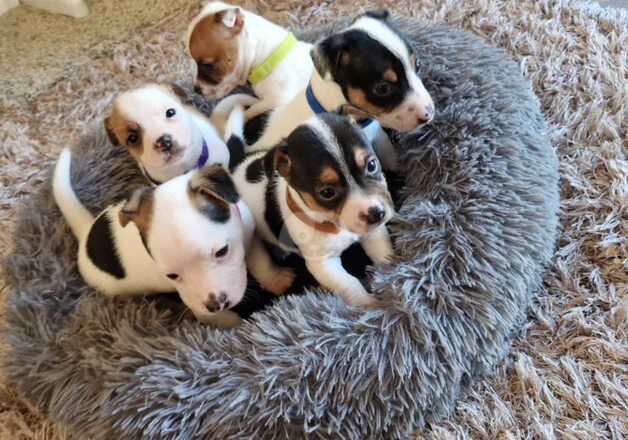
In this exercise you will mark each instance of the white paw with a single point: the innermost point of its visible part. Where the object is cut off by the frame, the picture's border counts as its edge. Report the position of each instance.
(364, 300)
(280, 280)
(222, 319)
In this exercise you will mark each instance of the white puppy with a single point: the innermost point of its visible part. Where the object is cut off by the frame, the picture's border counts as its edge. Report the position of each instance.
(316, 193)
(190, 234)
(232, 46)
(367, 70)
(166, 137)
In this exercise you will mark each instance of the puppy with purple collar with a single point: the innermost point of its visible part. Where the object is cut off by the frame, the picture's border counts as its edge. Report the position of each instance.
(165, 136)
(317, 192)
(367, 70)
(232, 46)
(190, 234)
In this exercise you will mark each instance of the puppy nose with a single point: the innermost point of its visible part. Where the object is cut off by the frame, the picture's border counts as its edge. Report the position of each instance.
(198, 89)
(223, 300)
(427, 115)
(164, 142)
(374, 215)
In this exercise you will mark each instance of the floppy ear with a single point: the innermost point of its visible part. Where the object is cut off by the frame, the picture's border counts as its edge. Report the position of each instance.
(282, 162)
(214, 184)
(231, 21)
(379, 14)
(178, 91)
(329, 54)
(138, 208)
(109, 129)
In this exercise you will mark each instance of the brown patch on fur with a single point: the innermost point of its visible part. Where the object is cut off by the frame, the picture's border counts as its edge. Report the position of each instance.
(211, 42)
(118, 129)
(358, 99)
(361, 154)
(139, 210)
(329, 176)
(390, 75)
(211, 190)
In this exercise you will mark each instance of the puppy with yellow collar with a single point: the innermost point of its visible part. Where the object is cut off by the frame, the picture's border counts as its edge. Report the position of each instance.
(232, 46)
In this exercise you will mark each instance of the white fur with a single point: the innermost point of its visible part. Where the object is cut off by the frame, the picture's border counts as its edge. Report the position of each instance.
(181, 239)
(257, 40)
(147, 106)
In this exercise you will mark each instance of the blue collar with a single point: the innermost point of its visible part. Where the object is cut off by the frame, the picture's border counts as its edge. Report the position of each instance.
(318, 108)
(202, 159)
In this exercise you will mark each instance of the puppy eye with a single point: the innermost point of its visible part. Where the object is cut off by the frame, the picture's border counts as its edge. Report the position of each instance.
(382, 88)
(170, 113)
(372, 166)
(132, 138)
(173, 276)
(327, 193)
(222, 251)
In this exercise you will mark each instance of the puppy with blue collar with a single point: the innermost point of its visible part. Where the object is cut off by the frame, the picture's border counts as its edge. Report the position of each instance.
(317, 192)
(190, 234)
(165, 136)
(232, 46)
(367, 70)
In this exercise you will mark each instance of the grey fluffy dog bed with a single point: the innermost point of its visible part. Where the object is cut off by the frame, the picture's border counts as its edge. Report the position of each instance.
(476, 227)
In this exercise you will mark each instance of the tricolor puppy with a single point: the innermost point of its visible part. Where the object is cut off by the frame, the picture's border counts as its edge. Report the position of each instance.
(189, 234)
(166, 137)
(368, 70)
(232, 47)
(316, 193)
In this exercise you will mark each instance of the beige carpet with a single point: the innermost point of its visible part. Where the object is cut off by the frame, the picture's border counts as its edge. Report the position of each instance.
(567, 374)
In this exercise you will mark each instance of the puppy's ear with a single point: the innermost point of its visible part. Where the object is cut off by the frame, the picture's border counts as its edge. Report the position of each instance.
(282, 160)
(330, 54)
(214, 184)
(178, 91)
(138, 208)
(231, 21)
(109, 129)
(379, 14)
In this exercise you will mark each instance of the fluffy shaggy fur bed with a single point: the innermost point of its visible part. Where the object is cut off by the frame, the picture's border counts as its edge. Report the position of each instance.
(439, 328)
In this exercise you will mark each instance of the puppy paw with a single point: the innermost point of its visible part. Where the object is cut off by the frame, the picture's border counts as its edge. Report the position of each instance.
(223, 319)
(364, 300)
(280, 280)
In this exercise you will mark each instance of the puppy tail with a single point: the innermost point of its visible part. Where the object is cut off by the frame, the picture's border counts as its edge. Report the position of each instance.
(77, 216)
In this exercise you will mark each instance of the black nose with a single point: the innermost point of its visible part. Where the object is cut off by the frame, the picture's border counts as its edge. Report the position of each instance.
(223, 300)
(198, 89)
(164, 143)
(374, 215)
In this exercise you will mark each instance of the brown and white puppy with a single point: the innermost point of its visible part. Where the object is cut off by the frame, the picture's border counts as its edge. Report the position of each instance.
(316, 193)
(166, 137)
(227, 43)
(190, 234)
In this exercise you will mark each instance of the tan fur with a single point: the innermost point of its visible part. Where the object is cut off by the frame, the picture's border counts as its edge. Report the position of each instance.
(360, 156)
(139, 210)
(118, 127)
(212, 42)
(357, 97)
(329, 176)
(390, 75)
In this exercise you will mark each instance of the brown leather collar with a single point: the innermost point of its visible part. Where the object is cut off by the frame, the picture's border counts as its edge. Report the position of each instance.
(326, 226)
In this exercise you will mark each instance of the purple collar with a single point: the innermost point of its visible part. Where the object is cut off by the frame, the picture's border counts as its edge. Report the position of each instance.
(202, 159)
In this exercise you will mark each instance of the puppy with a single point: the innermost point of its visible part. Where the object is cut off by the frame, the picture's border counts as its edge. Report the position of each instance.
(367, 70)
(189, 234)
(316, 193)
(166, 137)
(232, 46)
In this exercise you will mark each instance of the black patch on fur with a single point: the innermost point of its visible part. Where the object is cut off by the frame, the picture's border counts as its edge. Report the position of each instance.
(273, 216)
(216, 211)
(254, 128)
(255, 171)
(379, 14)
(102, 250)
(236, 151)
(358, 61)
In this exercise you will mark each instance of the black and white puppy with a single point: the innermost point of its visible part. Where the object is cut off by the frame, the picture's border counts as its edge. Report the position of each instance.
(367, 70)
(190, 234)
(317, 192)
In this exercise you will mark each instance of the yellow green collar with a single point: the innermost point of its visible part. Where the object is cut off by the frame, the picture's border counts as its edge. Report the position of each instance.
(267, 66)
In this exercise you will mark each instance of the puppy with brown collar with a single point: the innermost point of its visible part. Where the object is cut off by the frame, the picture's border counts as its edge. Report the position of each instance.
(165, 136)
(232, 46)
(368, 70)
(190, 234)
(317, 192)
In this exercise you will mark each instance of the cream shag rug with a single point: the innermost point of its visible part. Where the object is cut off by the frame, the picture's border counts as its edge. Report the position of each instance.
(566, 375)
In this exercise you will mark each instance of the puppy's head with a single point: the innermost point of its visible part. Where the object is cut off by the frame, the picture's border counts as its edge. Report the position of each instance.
(154, 126)
(332, 166)
(212, 42)
(376, 69)
(193, 232)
